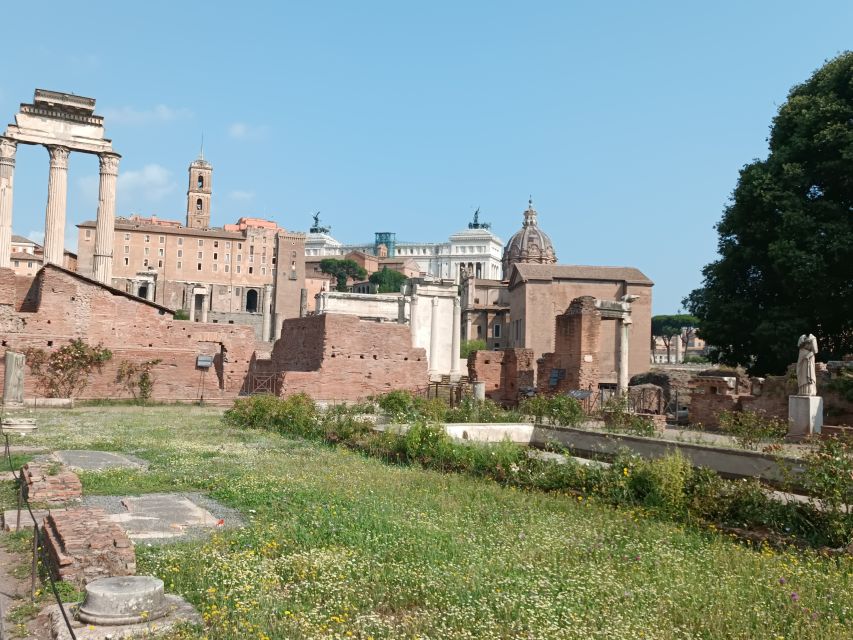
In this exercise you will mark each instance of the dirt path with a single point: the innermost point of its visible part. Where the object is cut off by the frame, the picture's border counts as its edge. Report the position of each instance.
(12, 589)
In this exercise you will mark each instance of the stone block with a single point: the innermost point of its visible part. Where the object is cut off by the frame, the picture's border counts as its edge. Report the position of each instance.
(805, 416)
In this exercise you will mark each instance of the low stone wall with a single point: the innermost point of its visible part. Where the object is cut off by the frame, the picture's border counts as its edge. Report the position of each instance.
(83, 545)
(53, 488)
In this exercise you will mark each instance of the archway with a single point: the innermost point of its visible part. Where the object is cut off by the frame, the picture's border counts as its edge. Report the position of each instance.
(252, 301)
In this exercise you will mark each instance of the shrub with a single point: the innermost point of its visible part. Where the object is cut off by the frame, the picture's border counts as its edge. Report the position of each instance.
(471, 410)
(425, 442)
(137, 379)
(470, 346)
(750, 428)
(618, 417)
(829, 477)
(296, 415)
(65, 372)
(661, 484)
(559, 409)
(182, 314)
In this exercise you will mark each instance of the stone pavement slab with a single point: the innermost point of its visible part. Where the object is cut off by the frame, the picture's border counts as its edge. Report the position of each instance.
(10, 517)
(86, 460)
(162, 515)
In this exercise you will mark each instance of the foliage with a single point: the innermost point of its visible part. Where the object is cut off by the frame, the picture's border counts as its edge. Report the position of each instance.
(693, 359)
(64, 373)
(842, 384)
(137, 379)
(471, 410)
(669, 327)
(558, 409)
(342, 270)
(829, 475)
(785, 239)
(751, 428)
(337, 544)
(182, 314)
(618, 417)
(389, 280)
(467, 347)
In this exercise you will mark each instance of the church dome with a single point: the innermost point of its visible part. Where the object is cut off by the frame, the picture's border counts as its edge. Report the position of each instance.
(530, 244)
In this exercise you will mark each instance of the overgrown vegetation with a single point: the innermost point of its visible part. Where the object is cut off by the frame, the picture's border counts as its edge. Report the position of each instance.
(64, 373)
(467, 347)
(618, 417)
(667, 487)
(750, 429)
(556, 410)
(182, 314)
(137, 378)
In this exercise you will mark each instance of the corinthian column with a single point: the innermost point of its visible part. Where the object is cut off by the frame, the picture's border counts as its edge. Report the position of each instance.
(455, 373)
(57, 193)
(102, 263)
(7, 180)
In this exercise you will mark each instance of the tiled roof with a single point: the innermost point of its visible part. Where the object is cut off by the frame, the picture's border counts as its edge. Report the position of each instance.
(530, 271)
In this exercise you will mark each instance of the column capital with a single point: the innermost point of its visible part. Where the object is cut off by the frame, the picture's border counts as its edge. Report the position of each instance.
(109, 163)
(8, 147)
(58, 155)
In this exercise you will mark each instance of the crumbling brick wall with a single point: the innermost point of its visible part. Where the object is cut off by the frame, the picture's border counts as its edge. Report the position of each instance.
(486, 366)
(339, 357)
(505, 372)
(61, 306)
(576, 349)
(83, 545)
(54, 486)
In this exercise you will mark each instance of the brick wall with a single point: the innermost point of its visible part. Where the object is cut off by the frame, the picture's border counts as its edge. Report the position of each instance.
(576, 348)
(51, 486)
(339, 357)
(485, 366)
(84, 545)
(62, 306)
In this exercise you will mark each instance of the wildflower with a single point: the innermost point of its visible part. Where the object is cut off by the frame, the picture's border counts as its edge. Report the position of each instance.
(782, 581)
(795, 597)
(625, 471)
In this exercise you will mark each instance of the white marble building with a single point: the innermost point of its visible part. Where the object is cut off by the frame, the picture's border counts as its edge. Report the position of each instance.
(475, 250)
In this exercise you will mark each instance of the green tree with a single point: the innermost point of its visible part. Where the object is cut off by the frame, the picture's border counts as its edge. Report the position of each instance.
(786, 238)
(467, 347)
(673, 326)
(389, 281)
(342, 270)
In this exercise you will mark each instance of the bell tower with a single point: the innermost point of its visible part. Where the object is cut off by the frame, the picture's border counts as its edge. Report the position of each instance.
(198, 193)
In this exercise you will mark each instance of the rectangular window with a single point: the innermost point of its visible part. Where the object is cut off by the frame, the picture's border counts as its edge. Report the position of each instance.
(146, 251)
(198, 267)
(239, 257)
(251, 269)
(216, 256)
(88, 233)
(200, 255)
(227, 257)
(126, 249)
(145, 263)
(201, 243)
(251, 249)
(238, 268)
(18, 263)
(496, 331)
(180, 253)
(161, 252)
(263, 259)
(180, 264)
(147, 238)
(162, 239)
(216, 244)
(228, 244)
(160, 263)
(263, 271)
(227, 268)
(126, 237)
(252, 259)
(180, 241)
(239, 245)
(215, 267)
(126, 261)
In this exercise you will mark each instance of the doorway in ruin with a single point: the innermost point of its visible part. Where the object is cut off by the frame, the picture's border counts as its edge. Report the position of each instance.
(143, 291)
(252, 301)
(198, 303)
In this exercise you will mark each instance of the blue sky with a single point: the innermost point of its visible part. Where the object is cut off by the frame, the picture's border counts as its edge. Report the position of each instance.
(627, 122)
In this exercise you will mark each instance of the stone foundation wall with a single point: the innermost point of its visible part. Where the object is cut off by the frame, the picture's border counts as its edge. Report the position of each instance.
(53, 487)
(576, 349)
(339, 357)
(485, 366)
(83, 545)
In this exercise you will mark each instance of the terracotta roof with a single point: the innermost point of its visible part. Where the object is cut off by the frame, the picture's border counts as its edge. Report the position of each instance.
(127, 225)
(530, 271)
(23, 255)
(23, 240)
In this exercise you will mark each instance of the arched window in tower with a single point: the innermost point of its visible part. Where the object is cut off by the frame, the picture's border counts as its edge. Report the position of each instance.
(200, 181)
(198, 205)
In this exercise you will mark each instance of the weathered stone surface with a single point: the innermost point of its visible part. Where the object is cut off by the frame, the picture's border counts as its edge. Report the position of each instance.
(86, 460)
(83, 545)
(44, 484)
(805, 416)
(123, 600)
(13, 383)
(161, 515)
(504, 372)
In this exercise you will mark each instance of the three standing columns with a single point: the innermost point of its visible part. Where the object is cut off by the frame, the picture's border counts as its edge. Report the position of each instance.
(102, 265)
(7, 180)
(57, 195)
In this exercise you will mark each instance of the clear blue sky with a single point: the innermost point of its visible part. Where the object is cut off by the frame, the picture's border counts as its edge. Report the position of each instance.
(628, 122)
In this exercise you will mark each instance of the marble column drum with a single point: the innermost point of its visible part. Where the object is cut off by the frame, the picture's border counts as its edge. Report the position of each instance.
(102, 264)
(7, 180)
(57, 194)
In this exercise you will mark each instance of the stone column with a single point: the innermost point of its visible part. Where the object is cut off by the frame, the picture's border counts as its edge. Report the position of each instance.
(13, 383)
(205, 303)
(679, 355)
(433, 340)
(413, 316)
(102, 262)
(624, 351)
(7, 180)
(277, 324)
(192, 306)
(149, 290)
(57, 194)
(303, 303)
(455, 373)
(267, 309)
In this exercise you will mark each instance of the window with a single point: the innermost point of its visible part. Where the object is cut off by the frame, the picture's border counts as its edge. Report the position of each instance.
(17, 263)
(201, 243)
(252, 259)
(160, 263)
(180, 241)
(251, 269)
(198, 205)
(88, 233)
(198, 267)
(162, 239)
(126, 261)
(216, 256)
(200, 255)
(239, 257)
(228, 244)
(200, 182)
(263, 259)
(145, 263)
(215, 267)
(126, 249)
(263, 271)
(146, 251)
(161, 252)
(180, 264)
(227, 257)
(251, 249)
(215, 244)
(238, 268)
(180, 253)
(29, 264)
(126, 237)
(239, 245)
(147, 238)
(496, 331)
(227, 268)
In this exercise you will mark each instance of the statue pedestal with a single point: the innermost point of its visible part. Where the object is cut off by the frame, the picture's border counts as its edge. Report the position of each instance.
(805, 416)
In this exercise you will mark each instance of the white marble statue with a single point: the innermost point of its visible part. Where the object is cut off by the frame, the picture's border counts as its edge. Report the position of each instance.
(806, 380)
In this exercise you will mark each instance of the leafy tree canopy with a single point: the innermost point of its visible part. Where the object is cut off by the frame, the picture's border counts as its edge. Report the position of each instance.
(342, 270)
(669, 326)
(786, 238)
(389, 280)
(467, 347)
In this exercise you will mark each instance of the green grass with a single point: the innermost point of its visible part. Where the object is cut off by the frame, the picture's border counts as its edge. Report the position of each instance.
(338, 545)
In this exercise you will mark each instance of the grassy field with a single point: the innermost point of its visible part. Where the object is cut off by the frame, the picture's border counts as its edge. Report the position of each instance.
(341, 546)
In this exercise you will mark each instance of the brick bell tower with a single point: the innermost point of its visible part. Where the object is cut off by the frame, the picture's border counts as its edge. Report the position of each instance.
(198, 193)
